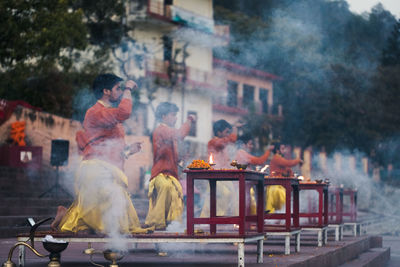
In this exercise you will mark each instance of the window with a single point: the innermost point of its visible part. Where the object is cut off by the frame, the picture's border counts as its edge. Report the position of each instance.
(248, 95)
(167, 42)
(232, 94)
(193, 128)
(264, 100)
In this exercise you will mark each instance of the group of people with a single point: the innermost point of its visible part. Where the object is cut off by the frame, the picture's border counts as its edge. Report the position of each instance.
(102, 203)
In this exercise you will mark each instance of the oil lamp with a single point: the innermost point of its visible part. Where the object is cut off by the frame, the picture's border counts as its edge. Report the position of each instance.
(211, 160)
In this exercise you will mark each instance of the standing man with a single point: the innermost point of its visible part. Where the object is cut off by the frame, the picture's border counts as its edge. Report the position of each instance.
(102, 201)
(165, 191)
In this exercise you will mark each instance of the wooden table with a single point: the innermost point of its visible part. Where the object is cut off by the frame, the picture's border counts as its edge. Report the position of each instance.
(321, 226)
(212, 176)
(335, 205)
(291, 215)
(292, 186)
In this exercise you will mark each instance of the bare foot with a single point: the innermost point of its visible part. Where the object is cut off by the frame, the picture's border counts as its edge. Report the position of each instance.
(60, 214)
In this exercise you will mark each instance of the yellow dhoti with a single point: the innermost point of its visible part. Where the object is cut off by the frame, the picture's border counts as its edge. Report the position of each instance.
(276, 198)
(227, 200)
(165, 201)
(102, 202)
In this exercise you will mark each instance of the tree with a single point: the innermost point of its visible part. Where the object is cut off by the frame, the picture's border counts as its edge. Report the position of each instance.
(391, 53)
(37, 32)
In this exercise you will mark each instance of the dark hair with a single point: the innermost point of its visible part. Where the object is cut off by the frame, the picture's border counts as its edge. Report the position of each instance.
(164, 108)
(244, 138)
(104, 81)
(220, 126)
(277, 147)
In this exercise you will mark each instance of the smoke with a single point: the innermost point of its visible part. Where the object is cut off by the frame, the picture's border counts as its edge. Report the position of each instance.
(375, 200)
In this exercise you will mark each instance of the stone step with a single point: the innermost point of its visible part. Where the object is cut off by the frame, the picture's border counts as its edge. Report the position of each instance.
(372, 257)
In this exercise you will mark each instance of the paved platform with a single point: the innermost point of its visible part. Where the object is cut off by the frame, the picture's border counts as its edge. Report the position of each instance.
(334, 253)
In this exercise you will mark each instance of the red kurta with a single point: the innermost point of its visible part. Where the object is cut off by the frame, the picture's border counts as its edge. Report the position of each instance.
(280, 166)
(104, 136)
(165, 149)
(217, 146)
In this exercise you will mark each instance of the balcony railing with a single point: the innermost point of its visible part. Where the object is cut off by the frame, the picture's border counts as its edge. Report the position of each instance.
(194, 76)
(186, 17)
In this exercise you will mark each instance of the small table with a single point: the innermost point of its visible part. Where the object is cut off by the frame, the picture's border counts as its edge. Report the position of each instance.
(212, 176)
(336, 211)
(321, 226)
(290, 228)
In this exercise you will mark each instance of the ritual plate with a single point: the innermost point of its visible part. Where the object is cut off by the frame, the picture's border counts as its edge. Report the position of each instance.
(198, 168)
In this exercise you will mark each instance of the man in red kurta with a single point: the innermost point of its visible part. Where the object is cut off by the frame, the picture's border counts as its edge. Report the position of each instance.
(279, 167)
(221, 146)
(102, 202)
(165, 191)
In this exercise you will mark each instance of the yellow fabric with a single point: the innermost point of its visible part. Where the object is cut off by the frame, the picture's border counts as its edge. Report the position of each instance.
(276, 198)
(227, 200)
(102, 202)
(165, 201)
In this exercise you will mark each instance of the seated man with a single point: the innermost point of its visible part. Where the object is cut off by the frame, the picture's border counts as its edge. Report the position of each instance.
(102, 203)
(243, 156)
(165, 191)
(279, 167)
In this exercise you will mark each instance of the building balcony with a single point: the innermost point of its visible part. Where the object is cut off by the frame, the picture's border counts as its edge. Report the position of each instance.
(195, 78)
(190, 26)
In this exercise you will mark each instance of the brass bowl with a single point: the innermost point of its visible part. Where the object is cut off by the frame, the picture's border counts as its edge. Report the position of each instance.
(112, 255)
(241, 166)
(53, 247)
(318, 181)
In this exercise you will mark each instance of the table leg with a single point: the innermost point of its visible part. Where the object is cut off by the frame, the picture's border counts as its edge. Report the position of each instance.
(298, 242)
(21, 256)
(296, 206)
(320, 207)
(241, 254)
(260, 207)
(326, 206)
(260, 251)
(242, 204)
(287, 244)
(190, 205)
(320, 238)
(213, 204)
(288, 214)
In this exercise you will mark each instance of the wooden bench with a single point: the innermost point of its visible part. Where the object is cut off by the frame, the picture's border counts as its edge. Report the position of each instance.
(155, 238)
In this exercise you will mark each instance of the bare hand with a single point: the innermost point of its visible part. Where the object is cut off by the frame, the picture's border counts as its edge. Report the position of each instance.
(192, 118)
(131, 85)
(135, 147)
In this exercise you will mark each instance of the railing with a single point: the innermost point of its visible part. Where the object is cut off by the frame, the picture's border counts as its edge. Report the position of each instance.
(193, 75)
(186, 17)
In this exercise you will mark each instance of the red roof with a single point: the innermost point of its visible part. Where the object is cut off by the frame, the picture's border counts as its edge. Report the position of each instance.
(244, 70)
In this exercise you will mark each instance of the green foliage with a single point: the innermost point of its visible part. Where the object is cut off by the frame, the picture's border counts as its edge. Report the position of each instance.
(35, 32)
(391, 53)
